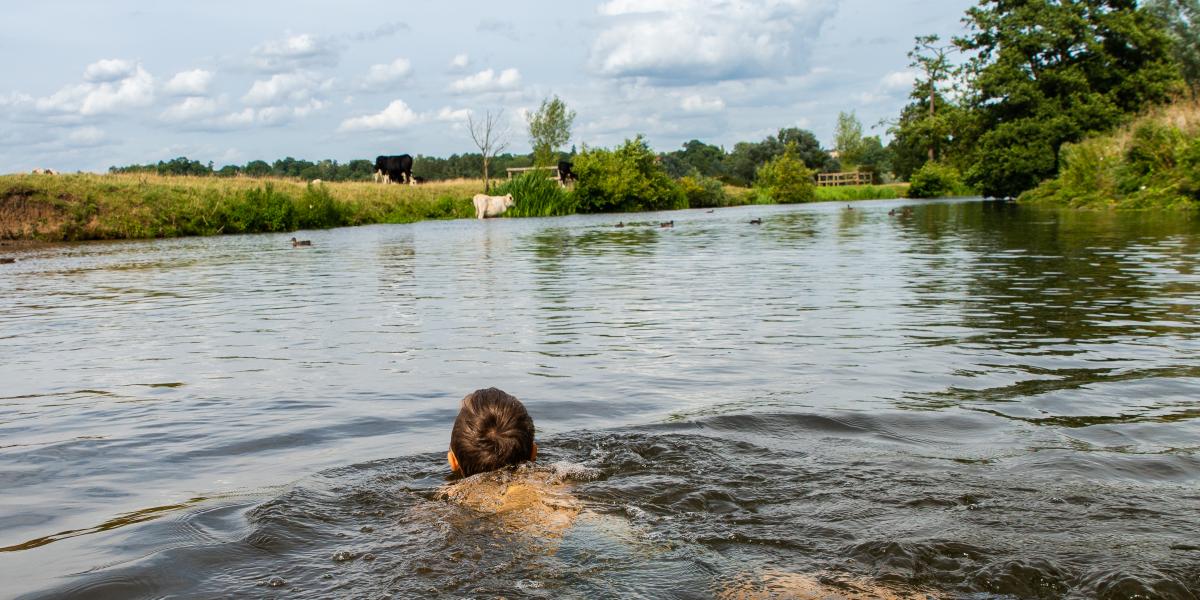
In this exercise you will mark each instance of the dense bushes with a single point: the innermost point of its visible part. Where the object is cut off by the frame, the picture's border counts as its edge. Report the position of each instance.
(626, 179)
(935, 180)
(785, 179)
(1154, 162)
(536, 195)
(704, 192)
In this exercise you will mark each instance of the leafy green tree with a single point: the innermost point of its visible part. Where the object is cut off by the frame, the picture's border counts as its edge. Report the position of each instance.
(1048, 72)
(1182, 20)
(785, 179)
(626, 179)
(875, 158)
(695, 157)
(743, 162)
(933, 59)
(549, 130)
(257, 168)
(930, 126)
(848, 138)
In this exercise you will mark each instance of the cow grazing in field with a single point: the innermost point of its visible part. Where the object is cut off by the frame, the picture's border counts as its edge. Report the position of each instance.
(491, 206)
(315, 182)
(418, 180)
(565, 174)
(45, 172)
(396, 169)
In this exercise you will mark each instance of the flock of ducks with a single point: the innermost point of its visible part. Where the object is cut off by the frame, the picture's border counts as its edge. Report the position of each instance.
(907, 210)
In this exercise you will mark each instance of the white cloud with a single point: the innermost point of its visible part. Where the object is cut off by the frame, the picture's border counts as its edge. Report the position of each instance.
(134, 91)
(190, 109)
(696, 103)
(242, 118)
(15, 100)
(109, 69)
(487, 81)
(189, 83)
(294, 87)
(460, 61)
(87, 136)
(379, 76)
(451, 115)
(899, 81)
(295, 52)
(697, 40)
(397, 115)
(246, 118)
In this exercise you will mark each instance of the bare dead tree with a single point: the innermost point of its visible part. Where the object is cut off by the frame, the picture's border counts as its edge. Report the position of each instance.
(491, 137)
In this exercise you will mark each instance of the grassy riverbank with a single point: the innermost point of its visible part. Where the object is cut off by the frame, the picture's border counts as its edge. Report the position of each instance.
(137, 206)
(97, 207)
(1153, 162)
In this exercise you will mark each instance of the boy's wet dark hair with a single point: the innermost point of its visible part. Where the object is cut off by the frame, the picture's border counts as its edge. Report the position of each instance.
(493, 430)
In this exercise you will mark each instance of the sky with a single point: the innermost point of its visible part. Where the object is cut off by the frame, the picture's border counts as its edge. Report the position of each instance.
(85, 85)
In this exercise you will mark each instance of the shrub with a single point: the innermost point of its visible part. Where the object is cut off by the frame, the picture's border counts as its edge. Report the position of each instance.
(935, 180)
(785, 179)
(627, 179)
(703, 192)
(258, 210)
(536, 195)
(317, 209)
(1150, 153)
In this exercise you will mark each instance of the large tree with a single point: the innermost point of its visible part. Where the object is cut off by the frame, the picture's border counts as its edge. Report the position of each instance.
(1048, 72)
(745, 159)
(490, 135)
(695, 157)
(549, 130)
(1182, 20)
(848, 139)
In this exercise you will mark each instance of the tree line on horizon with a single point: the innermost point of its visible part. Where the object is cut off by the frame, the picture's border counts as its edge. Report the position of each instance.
(736, 166)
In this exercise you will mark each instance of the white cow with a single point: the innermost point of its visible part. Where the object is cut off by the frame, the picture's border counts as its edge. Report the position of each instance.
(491, 206)
(315, 182)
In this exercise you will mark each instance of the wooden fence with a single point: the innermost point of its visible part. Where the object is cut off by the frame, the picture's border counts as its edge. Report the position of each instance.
(839, 179)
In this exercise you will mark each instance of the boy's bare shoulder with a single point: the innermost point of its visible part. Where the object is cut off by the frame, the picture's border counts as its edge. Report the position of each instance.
(525, 499)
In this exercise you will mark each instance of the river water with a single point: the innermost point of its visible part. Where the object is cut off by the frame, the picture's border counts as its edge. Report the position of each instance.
(972, 399)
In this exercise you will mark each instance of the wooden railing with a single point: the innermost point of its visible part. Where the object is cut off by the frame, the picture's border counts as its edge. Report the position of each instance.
(838, 179)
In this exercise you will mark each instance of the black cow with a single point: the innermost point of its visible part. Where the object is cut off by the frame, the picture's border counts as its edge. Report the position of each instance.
(397, 169)
(565, 173)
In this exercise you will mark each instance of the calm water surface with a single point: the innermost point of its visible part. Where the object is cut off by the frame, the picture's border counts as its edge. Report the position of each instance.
(972, 398)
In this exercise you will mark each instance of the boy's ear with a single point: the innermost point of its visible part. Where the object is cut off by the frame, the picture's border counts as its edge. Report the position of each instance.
(533, 454)
(453, 460)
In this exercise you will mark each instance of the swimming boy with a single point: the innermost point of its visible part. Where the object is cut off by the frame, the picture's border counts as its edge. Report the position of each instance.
(492, 433)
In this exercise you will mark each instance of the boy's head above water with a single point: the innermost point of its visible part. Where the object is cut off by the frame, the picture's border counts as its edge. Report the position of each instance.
(493, 430)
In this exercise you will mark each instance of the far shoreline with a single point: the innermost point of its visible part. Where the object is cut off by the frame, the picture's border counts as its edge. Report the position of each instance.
(46, 209)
